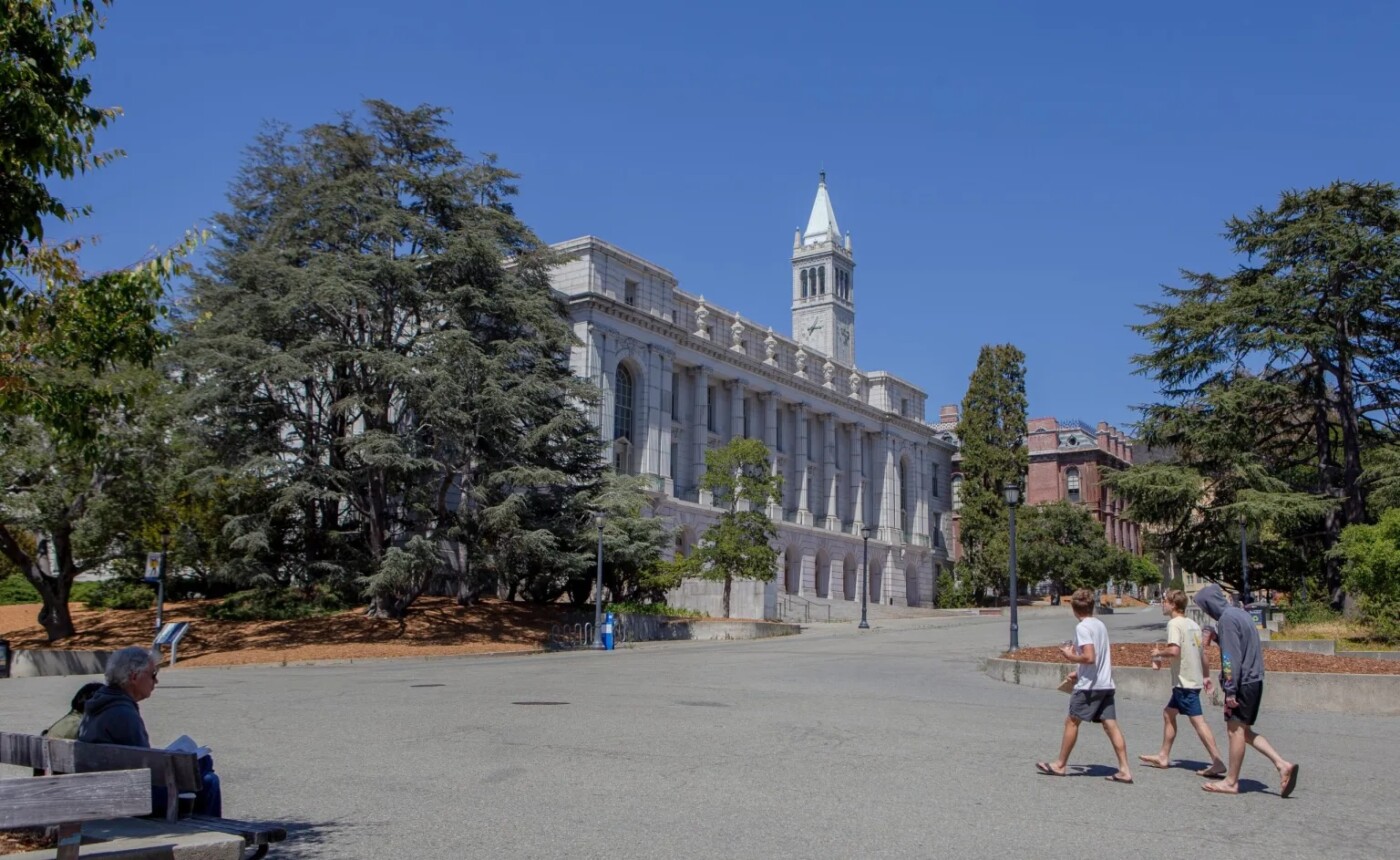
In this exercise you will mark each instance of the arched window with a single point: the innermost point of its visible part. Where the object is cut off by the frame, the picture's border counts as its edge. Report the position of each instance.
(933, 468)
(804, 283)
(957, 492)
(821, 280)
(624, 394)
(1072, 484)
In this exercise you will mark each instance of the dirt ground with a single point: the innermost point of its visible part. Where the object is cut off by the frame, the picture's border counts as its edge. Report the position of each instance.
(435, 626)
(17, 841)
(1139, 654)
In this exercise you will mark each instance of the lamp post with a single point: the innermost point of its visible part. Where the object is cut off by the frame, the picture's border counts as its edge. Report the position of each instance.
(1012, 491)
(160, 586)
(1244, 564)
(864, 575)
(598, 518)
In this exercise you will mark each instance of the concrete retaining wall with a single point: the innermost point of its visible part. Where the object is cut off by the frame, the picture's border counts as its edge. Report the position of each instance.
(1309, 646)
(1290, 691)
(43, 663)
(652, 628)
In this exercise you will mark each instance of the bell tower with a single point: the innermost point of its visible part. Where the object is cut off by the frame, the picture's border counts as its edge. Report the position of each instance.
(823, 297)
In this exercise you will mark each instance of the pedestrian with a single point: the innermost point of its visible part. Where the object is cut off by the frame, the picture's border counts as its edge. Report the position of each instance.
(1092, 697)
(1242, 683)
(1189, 676)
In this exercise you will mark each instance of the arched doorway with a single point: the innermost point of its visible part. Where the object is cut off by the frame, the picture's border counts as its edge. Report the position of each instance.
(877, 581)
(793, 566)
(911, 585)
(823, 577)
(850, 576)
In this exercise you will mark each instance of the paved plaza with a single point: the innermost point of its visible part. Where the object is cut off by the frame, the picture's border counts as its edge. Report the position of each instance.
(837, 743)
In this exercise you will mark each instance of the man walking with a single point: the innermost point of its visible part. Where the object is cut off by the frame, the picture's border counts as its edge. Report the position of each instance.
(1242, 683)
(1189, 676)
(1092, 698)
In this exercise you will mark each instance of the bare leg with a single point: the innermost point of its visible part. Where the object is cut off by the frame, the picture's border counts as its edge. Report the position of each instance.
(1217, 766)
(1120, 748)
(1235, 731)
(1067, 742)
(1163, 758)
(1257, 741)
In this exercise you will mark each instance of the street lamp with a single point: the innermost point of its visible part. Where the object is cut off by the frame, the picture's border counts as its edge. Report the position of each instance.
(598, 518)
(1244, 565)
(864, 575)
(160, 586)
(1012, 491)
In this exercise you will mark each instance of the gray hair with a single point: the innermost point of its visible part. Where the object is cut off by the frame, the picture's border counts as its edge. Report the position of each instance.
(123, 664)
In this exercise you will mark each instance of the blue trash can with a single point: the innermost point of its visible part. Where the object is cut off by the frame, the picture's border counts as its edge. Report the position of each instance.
(4, 658)
(1258, 615)
(607, 631)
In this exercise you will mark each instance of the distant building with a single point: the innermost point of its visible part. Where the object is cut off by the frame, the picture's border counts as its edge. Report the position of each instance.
(1067, 462)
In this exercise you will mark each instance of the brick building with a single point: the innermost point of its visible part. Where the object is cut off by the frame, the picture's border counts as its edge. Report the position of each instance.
(1067, 461)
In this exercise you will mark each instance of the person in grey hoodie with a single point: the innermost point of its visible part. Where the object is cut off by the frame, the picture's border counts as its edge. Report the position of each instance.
(1242, 684)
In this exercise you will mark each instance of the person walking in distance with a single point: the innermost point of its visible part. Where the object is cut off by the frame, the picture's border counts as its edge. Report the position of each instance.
(1189, 675)
(1092, 697)
(1242, 683)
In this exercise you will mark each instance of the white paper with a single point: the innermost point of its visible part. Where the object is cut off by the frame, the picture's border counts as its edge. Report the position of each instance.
(185, 743)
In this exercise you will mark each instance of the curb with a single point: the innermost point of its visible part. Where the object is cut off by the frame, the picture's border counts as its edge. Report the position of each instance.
(1305, 692)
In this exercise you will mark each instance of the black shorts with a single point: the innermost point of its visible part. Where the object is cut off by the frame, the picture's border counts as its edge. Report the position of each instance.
(1092, 706)
(1248, 697)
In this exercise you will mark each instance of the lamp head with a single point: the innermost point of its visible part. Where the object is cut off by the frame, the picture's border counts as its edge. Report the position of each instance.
(598, 517)
(1012, 491)
(865, 532)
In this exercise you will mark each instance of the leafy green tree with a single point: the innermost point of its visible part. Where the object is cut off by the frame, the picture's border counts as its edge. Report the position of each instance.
(1309, 324)
(376, 341)
(633, 542)
(740, 544)
(1370, 556)
(1061, 542)
(73, 345)
(992, 430)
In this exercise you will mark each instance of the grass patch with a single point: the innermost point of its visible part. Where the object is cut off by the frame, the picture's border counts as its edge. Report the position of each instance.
(15, 589)
(1349, 635)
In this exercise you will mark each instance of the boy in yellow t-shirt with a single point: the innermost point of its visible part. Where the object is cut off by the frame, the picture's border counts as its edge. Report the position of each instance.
(1189, 675)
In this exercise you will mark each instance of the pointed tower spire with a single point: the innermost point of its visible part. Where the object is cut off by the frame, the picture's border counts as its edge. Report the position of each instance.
(821, 226)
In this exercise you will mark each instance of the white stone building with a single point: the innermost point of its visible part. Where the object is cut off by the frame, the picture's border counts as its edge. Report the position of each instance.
(680, 376)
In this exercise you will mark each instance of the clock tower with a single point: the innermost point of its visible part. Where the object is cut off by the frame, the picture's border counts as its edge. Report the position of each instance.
(823, 297)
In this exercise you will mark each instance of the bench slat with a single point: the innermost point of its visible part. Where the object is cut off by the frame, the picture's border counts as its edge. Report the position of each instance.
(253, 832)
(74, 757)
(43, 800)
(22, 750)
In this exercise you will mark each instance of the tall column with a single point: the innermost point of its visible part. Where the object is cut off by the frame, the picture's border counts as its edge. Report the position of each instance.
(770, 438)
(922, 456)
(857, 479)
(700, 430)
(802, 470)
(736, 409)
(833, 516)
(664, 467)
(889, 497)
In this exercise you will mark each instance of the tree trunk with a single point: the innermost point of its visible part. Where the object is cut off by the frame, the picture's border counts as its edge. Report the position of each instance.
(728, 587)
(54, 616)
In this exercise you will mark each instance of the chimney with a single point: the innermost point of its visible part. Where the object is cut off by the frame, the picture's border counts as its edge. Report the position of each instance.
(948, 413)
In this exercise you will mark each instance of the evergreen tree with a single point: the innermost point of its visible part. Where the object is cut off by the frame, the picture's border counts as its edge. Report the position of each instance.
(633, 542)
(377, 342)
(739, 546)
(992, 431)
(1310, 321)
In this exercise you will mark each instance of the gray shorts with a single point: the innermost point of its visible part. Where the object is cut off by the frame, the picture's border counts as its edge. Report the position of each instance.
(1092, 706)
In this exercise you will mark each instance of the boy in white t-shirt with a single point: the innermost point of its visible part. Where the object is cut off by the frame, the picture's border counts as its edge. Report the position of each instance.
(1092, 698)
(1189, 675)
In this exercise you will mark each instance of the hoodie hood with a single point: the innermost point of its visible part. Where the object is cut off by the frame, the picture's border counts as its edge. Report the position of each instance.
(106, 699)
(111, 717)
(1212, 601)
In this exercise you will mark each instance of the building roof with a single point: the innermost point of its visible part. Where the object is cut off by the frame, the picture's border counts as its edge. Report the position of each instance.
(821, 225)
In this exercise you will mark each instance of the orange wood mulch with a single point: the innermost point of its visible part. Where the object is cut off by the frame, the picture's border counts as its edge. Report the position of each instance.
(1139, 654)
(435, 626)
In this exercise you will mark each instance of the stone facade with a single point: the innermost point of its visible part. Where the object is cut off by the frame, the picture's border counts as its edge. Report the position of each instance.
(680, 376)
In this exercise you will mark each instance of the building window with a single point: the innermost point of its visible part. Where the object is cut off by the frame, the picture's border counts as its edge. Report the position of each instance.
(778, 436)
(624, 391)
(710, 409)
(629, 292)
(821, 280)
(904, 406)
(936, 526)
(933, 467)
(747, 434)
(804, 283)
(904, 497)
(1072, 484)
(675, 396)
(675, 458)
(957, 492)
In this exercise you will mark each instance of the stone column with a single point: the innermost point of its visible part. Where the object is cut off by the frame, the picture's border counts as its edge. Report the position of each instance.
(700, 430)
(857, 479)
(833, 516)
(736, 409)
(770, 438)
(664, 467)
(889, 499)
(802, 470)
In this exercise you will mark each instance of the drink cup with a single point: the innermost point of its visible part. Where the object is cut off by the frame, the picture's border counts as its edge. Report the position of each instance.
(1159, 659)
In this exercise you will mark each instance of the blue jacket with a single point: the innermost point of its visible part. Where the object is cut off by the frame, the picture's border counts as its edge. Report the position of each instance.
(111, 717)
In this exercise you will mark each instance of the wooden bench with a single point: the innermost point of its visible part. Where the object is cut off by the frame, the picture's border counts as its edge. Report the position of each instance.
(69, 800)
(176, 772)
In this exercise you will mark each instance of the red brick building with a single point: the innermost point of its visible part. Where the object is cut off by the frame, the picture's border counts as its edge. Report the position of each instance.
(1067, 461)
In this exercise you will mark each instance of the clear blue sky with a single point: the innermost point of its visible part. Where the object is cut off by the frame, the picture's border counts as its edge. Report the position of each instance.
(1025, 172)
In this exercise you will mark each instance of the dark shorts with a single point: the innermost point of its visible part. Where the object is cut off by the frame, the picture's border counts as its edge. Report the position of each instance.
(1092, 706)
(1249, 696)
(1186, 701)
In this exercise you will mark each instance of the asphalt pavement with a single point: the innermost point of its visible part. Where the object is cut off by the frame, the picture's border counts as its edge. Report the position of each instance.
(836, 743)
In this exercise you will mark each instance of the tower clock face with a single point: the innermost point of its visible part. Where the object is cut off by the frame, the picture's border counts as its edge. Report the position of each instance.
(812, 333)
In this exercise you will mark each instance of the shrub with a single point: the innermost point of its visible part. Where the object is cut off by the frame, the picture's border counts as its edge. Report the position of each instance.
(1310, 612)
(16, 589)
(654, 609)
(276, 604)
(119, 594)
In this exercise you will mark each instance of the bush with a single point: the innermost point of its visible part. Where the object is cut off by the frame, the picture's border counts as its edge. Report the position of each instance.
(16, 589)
(953, 594)
(1310, 612)
(654, 609)
(276, 604)
(118, 594)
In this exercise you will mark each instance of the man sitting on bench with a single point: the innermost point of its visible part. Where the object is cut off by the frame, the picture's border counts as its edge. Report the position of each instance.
(111, 716)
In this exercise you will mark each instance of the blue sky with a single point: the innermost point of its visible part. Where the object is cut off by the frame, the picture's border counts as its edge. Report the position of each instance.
(1025, 172)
